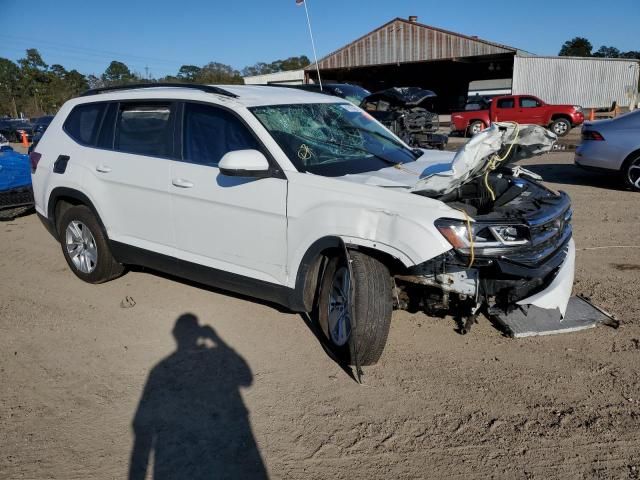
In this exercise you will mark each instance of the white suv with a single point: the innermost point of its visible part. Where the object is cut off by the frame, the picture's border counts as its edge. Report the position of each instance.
(304, 200)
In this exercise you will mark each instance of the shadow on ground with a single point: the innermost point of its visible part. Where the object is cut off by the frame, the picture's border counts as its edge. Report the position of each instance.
(191, 422)
(568, 174)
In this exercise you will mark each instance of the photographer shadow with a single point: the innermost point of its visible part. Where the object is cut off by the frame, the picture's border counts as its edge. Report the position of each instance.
(191, 422)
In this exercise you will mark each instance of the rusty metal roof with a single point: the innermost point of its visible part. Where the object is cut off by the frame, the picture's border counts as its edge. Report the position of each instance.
(401, 41)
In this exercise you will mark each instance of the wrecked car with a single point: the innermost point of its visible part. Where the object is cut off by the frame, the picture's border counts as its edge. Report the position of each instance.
(409, 113)
(307, 201)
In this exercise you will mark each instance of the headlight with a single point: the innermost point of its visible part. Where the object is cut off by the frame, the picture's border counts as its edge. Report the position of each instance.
(578, 108)
(487, 238)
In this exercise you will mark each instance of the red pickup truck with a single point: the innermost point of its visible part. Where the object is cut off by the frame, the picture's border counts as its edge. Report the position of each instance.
(517, 108)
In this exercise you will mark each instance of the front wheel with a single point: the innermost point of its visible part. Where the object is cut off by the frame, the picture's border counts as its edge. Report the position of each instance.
(631, 173)
(560, 127)
(372, 307)
(85, 246)
(475, 128)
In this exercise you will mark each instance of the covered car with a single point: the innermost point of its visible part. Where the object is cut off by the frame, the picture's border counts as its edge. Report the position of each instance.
(16, 193)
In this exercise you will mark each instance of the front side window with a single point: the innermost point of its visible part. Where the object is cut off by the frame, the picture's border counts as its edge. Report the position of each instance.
(528, 102)
(144, 129)
(210, 132)
(83, 122)
(332, 139)
(506, 103)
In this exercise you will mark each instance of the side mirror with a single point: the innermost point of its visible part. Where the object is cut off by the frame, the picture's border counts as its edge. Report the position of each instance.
(244, 163)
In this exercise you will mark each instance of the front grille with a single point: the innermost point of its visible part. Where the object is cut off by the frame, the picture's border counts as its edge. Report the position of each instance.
(16, 197)
(548, 235)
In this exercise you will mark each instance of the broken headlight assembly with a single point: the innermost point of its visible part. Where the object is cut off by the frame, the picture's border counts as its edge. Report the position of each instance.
(484, 238)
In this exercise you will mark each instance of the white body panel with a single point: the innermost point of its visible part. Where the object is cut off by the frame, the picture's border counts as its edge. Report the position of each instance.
(230, 223)
(557, 294)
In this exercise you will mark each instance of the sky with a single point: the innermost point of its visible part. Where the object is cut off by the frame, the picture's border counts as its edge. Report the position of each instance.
(162, 35)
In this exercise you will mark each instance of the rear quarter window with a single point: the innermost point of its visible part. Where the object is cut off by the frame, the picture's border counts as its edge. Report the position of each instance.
(83, 122)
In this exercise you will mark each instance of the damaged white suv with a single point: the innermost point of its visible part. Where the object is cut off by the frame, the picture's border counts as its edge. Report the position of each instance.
(304, 200)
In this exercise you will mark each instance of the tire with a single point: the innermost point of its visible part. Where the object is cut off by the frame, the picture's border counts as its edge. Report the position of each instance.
(79, 231)
(475, 128)
(373, 305)
(560, 127)
(631, 172)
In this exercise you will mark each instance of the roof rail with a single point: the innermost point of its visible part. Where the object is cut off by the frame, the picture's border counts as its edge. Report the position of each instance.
(132, 86)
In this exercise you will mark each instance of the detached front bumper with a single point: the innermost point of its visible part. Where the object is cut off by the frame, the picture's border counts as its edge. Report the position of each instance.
(557, 294)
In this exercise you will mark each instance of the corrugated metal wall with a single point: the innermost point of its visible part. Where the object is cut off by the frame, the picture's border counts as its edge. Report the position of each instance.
(401, 41)
(589, 82)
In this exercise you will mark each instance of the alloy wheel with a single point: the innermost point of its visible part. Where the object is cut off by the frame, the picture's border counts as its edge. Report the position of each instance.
(560, 128)
(633, 174)
(339, 307)
(81, 247)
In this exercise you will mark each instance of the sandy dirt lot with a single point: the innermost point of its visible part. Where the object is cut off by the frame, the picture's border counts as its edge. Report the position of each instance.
(74, 364)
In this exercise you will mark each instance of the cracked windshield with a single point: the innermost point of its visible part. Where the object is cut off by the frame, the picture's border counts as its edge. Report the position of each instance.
(332, 139)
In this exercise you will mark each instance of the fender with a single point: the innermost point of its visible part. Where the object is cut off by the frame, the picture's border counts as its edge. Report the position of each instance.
(81, 198)
(309, 268)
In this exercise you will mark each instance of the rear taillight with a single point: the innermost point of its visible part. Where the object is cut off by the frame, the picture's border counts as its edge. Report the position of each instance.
(592, 135)
(34, 157)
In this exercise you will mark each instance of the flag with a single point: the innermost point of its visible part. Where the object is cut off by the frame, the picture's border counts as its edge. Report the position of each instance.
(299, 2)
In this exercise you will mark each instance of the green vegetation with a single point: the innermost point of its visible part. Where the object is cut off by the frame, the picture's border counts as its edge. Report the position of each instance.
(31, 87)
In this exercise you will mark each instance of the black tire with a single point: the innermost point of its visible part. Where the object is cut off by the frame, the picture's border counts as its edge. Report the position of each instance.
(475, 128)
(560, 126)
(105, 267)
(630, 172)
(373, 305)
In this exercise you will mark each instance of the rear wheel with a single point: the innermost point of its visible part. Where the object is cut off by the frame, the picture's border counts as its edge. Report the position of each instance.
(631, 172)
(475, 128)
(372, 307)
(560, 127)
(85, 247)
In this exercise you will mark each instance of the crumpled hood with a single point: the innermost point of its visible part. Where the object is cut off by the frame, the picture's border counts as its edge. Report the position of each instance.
(407, 174)
(438, 172)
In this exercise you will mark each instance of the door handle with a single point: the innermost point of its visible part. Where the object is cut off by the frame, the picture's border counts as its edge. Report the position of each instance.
(103, 169)
(181, 183)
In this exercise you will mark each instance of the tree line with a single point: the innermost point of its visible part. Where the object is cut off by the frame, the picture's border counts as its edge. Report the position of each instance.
(582, 47)
(31, 87)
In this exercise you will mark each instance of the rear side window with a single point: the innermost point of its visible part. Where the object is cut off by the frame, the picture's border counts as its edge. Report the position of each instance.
(83, 122)
(506, 103)
(145, 129)
(210, 132)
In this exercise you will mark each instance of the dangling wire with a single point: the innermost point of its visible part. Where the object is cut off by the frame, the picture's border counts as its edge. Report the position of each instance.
(495, 161)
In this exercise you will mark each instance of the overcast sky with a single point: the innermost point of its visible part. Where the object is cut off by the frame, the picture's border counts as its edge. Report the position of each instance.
(163, 34)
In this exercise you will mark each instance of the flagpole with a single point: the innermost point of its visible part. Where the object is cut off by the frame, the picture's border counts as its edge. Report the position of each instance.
(313, 45)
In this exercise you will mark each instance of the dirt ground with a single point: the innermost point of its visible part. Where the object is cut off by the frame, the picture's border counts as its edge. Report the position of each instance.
(74, 363)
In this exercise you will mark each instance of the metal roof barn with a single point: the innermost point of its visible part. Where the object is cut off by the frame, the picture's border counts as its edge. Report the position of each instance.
(404, 53)
(401, 41)
(589, 82)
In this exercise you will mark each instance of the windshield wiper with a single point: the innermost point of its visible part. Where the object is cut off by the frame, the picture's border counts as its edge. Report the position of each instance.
(392, 140)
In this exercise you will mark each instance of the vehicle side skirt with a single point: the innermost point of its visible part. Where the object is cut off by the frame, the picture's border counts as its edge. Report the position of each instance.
(212, 277)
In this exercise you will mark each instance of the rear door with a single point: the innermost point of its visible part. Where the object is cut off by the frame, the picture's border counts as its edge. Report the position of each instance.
(130, 172)
(234, 224)
(504, 110)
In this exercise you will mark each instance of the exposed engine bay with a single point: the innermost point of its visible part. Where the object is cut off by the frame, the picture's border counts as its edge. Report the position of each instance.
(408, 113)
(514, 245)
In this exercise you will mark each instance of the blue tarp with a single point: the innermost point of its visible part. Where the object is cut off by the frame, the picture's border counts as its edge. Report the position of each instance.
(15, 169)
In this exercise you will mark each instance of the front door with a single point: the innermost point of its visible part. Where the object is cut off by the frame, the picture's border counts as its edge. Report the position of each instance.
(234, 224)
(530, 110)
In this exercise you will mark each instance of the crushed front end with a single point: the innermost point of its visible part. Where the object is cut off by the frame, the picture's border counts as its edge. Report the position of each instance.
(512, 256)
